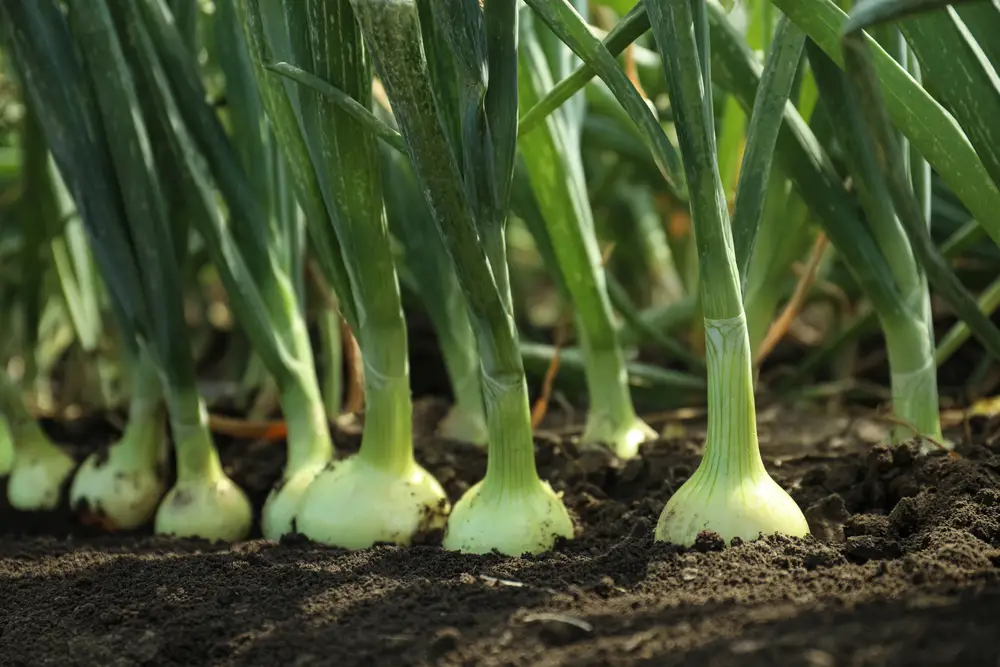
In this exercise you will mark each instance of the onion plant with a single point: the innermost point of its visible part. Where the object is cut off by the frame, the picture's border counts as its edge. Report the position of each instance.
(77, 72)
(908, 333)
(553, 164)
(730, 492)
(800, 156)
(903, 189)
(59, 318)
(386, 495)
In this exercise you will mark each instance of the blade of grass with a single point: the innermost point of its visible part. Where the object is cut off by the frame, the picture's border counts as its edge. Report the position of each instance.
(344, 101)
(569, 26)
(765, 122)
(501, 101)
(143, 200)
(932, 131)
(869, 13)
(804, 162)
(633, 26)
(462, 24)
(860, 66)
(279, 103)
(54, 78)
(957, 72)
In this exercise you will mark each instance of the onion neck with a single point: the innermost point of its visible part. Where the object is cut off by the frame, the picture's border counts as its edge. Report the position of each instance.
(309, 441)
(731, 449)
(511, 463)
(913, 378)
(387, 441)
(197, 458)
(610, 403)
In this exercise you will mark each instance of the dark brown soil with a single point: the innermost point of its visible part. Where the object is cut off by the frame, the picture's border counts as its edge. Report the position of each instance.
(902, 570)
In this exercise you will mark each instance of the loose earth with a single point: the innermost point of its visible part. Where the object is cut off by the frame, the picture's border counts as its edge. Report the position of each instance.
(902, 569)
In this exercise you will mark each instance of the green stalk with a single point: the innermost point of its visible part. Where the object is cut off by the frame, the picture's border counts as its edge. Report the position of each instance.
(730, 492)
(564, 21)
(197, 459)
(511, 510)
(388, 423)
(6, 449)
(908, 337)
(731, 449)
(913, 378)
(958, 73)
(880, 137)
(783, 238)
(989, 300)
(309, 443)
(765, 122)
(486, 118)
(554, 166)
(632, 26)
(145, 431)
(428, 270)
(803, 160)
(501, 103)
(330, 356)
(284, 116)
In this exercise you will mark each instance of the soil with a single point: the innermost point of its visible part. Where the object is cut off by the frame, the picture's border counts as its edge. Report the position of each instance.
(902, 569)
